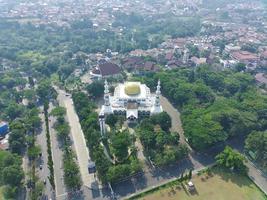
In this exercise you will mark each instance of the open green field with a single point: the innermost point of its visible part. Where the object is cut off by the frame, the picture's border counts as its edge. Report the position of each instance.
(1, 193)
(220, 185)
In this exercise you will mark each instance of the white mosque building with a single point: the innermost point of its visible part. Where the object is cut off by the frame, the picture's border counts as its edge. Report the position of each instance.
(131, 99)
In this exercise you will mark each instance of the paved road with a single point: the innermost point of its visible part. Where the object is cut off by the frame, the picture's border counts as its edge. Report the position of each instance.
(257, 176)
(43, 173)
(78, 138)
(152, 176)
(91, 187)
(195, 161)
(57, 155)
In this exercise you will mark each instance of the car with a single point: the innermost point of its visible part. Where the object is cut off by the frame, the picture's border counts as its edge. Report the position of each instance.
(44, 181)
(40, 167)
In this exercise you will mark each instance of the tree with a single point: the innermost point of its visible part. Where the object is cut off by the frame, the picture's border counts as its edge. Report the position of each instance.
(231, 159)
(256, 147)
(17, 140)
(120, 143)
(96, 89)
(72, 177)
(14, 111)
(45, 91)
(117, 172)
(62, 130)
(239, 67)
(162, 119)
(34, 151)
(190, 174)
(111, 120)
(147, 138)
(58, 111)
(12, 175)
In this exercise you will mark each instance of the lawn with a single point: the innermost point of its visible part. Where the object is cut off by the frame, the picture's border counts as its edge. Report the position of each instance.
(1, 193)
(220, 185)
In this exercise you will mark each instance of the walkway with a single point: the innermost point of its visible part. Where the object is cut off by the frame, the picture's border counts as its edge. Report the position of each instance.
(257, 176)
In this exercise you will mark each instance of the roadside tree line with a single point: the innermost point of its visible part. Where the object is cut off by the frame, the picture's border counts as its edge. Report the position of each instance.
(18, 107)
(72, 177)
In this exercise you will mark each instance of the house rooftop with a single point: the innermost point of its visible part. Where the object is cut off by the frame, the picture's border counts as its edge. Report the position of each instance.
(107, 69)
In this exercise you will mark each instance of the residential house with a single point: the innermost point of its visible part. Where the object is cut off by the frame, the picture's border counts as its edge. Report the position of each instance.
(107, 69)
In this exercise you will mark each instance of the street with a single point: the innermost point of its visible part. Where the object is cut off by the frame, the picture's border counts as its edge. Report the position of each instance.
(90, 185)
(41, 163)
(151, 176)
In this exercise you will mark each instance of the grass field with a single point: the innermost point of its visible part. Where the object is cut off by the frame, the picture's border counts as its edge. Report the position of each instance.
(1, 193)
(220, 185)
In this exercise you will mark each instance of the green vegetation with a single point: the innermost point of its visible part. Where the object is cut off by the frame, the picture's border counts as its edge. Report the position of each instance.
(45, 50)
(72, 177)
(215, 183)
(49, 151)
(96, 89)
(18, 107)
(160, 145)
(11, 175)
(231, 159)
(215, 105)
(256, 148)
(118, 142)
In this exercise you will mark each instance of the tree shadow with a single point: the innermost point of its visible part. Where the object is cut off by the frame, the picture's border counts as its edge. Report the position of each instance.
(95, 189)
(124, 188)
(194, 192)
(173, 170)
(236, 178)
(140, 182)
(130, 186)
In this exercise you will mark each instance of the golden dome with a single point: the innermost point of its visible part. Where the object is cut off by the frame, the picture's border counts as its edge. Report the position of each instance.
(132, 88)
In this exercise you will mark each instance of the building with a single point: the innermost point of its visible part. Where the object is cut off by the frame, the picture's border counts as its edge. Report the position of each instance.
(198, 61)
(264, 55)
(230, 48)
(106, 69)
(131, 99)
(3, 129)
(245, 57)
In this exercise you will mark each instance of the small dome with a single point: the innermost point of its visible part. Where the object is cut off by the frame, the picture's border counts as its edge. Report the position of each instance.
(132, 88)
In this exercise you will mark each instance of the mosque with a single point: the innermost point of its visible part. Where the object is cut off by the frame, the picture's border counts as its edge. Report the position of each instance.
(131, 99)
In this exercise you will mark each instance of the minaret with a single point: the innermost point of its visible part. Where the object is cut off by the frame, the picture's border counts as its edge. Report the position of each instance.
(105, 110)
(157, 108)
(106, 94)
(102, 124)
(157, 103)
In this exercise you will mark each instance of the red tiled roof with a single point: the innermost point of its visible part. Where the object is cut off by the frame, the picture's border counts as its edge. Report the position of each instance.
(149, 65)
(264, 54)
(108, 69)
(244, 56)
(169, 56)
